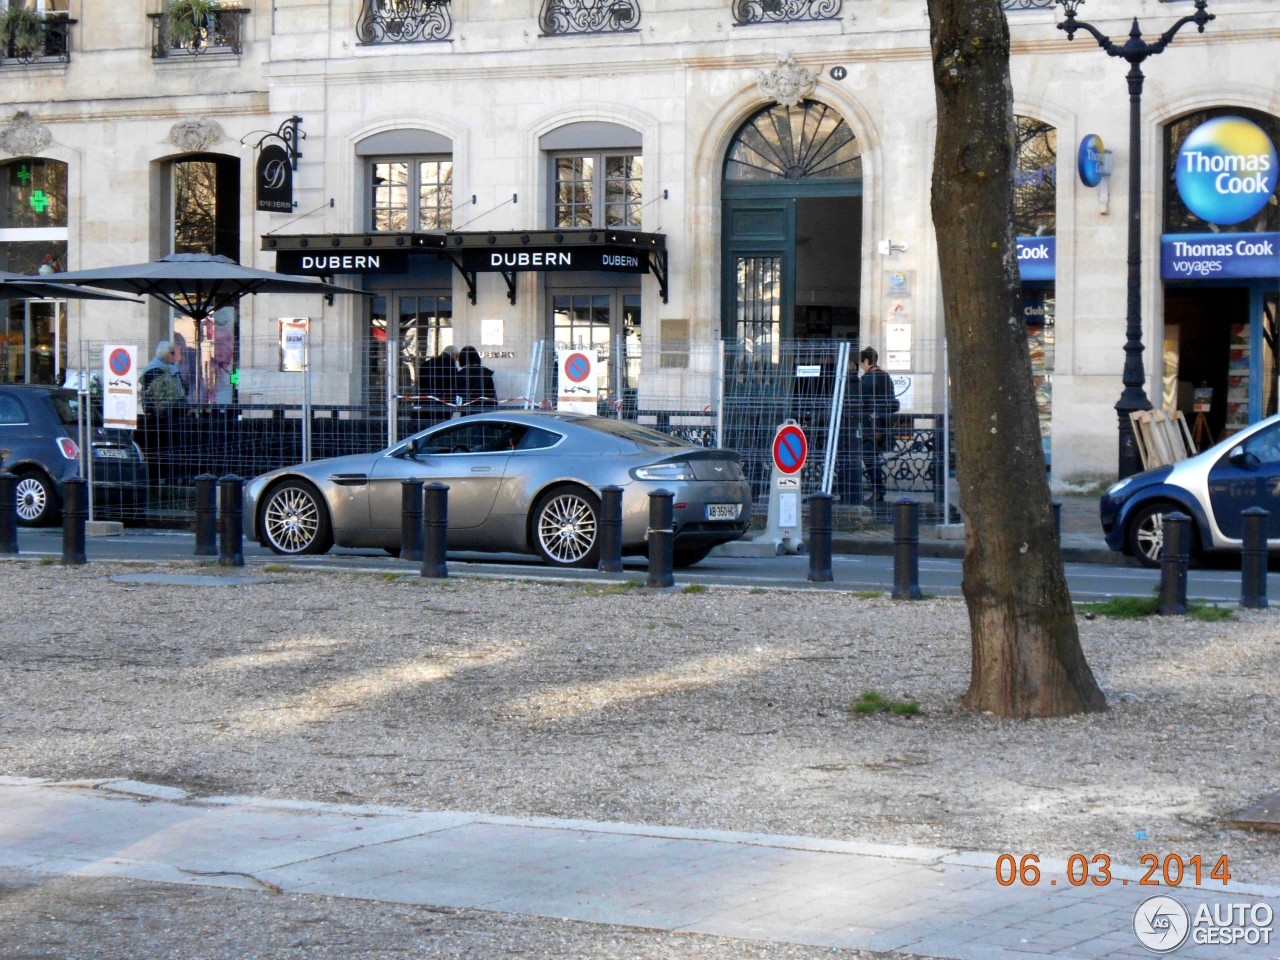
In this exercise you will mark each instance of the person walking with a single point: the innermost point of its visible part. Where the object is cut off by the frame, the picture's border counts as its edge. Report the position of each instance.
(475, 381)
(877, 405)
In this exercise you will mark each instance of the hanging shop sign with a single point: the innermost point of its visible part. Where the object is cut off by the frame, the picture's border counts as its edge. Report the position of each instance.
(609, 259)
(1037, 257)
(274, 180)
(1226, 171)
(1219, 256)
(1093, 162)
(323, 264)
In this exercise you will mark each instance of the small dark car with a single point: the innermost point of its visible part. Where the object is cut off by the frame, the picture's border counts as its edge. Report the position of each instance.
(40, 444)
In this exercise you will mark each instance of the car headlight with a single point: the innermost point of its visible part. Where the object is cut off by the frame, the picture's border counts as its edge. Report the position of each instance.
(1118, 486)
(678, 470)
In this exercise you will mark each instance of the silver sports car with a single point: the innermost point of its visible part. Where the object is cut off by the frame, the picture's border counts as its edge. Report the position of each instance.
(523, 481)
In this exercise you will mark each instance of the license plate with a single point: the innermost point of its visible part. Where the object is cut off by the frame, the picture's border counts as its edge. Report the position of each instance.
(111, 453)
(723, 511)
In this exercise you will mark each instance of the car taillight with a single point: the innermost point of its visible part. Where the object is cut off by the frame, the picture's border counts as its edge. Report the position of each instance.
(68, 448)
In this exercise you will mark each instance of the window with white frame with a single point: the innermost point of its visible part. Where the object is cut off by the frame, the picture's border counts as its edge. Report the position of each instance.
(408, 194)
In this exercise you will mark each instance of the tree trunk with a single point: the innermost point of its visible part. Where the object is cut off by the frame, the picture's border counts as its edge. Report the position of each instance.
(1027, 660)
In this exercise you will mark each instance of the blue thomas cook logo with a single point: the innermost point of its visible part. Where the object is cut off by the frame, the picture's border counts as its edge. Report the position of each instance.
(1226, 170)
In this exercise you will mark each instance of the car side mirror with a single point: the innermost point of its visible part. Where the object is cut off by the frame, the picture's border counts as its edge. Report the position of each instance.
(1243, 459)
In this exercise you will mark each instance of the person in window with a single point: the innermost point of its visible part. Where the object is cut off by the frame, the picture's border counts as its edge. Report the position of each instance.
(438, 385)
(475, 381)
(877, 407)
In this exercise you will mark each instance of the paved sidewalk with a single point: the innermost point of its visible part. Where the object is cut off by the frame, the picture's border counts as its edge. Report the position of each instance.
(938, 902)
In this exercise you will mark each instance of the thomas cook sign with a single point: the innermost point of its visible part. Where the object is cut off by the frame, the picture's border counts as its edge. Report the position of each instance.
(274, 180)
(612, 259)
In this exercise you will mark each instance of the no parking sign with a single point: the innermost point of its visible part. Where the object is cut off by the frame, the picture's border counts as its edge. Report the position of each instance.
(577, 390)
(120, 387)
(790, 449)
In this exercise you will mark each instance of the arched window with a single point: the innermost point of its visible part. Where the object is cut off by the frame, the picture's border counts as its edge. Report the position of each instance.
(1035, 181)
(805, 141)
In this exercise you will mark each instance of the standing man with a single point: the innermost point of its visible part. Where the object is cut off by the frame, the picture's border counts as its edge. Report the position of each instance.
(878, 407)
(438, 386)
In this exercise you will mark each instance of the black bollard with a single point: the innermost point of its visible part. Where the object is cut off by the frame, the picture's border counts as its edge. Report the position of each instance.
(906, 550)
(206, 515)
(662, 536)
(820, 538)
(1253, 560)
(435, 522)
(8, 512)
(74, 511)
(1175, 557)
(610, 529)
(231, 517)
(411, 520)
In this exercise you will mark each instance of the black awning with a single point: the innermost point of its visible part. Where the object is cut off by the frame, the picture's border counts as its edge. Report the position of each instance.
(476, 251)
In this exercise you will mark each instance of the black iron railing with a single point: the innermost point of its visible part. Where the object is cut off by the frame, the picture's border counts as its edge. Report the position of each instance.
(43, 38)
(781, 11)
(403, 21)
(220, 31)
(1027, 4)
(560, 17)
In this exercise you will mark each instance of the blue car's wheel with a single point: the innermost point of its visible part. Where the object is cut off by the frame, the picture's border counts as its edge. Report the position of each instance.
(37, 500)
(1145, 536)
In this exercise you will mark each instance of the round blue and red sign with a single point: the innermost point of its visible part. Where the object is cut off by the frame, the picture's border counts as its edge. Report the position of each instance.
(119, 361)
(577, 367)
(790, 449)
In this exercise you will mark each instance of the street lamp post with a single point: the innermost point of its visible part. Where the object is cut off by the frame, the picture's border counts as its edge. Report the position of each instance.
(1134, 50)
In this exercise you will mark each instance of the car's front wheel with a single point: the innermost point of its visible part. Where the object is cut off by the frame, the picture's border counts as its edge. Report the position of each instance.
(1145, 537)
(566, 527)
(295, 519)
(37, 500)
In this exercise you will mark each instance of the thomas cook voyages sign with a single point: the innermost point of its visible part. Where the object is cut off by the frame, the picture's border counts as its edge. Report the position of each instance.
(1226, 170)
(611, 259)
(274, 180)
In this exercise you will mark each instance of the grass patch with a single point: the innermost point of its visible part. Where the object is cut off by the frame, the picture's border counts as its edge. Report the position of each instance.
(695, 588)
(274, 568)
(872, 702)
(1134, 608)
(868, 594)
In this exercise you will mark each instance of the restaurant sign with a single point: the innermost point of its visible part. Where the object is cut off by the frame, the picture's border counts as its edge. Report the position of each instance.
(611, 259)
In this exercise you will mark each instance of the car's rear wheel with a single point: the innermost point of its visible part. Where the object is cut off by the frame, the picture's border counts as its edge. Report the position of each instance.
(295, 519)
(1145, 537)
(566, 527)
(37, 500)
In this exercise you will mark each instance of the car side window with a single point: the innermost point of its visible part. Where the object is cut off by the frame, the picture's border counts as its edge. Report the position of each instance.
(486, 436)
(535, 438)
(11, 410)
(1265, 445)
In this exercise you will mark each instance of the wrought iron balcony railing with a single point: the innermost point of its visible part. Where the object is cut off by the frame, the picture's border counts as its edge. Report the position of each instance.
(46, 38)
(560, 17)
(781, 11)
(1027, 4)
(220, 31)
(403, 21)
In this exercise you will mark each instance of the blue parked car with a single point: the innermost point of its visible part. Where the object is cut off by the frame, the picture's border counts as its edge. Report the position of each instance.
(39, 443)
(1212, 488)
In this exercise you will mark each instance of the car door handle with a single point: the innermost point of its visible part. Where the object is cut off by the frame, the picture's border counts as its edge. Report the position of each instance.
(482, 469)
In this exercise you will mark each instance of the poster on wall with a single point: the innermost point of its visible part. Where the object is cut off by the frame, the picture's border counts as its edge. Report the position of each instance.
(205, 355)
(293, 343)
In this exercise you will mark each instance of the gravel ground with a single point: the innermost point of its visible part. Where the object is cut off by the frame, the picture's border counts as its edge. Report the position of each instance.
(723, 709)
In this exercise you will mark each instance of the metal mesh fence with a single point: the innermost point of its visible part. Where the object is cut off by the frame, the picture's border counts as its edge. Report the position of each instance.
(283, 409)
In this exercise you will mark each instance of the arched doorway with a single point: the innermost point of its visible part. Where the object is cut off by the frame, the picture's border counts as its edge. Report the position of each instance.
(792, 229)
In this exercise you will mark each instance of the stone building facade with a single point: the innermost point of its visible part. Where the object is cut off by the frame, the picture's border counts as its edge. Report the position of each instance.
(652, 173)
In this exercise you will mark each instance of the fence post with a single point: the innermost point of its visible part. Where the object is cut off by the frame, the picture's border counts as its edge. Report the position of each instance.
(206, 515)
(1253, 560)
(819, 543)
(610, 529)
(8, 512)
(906, 550)
(435, 523)
(411, 520)
(661, 539)
(231, 515)
(73, 517)
(1175, 556)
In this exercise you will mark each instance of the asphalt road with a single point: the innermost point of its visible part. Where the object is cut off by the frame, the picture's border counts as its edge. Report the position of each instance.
(937, 576)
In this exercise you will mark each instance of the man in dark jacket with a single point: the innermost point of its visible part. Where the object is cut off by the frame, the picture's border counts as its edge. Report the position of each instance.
(878, 407)
(438, 386)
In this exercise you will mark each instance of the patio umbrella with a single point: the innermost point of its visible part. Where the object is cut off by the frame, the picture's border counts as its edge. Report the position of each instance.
(19, 286)
(195, 284)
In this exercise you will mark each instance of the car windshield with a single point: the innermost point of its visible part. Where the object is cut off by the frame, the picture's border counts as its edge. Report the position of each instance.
(67, 406)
